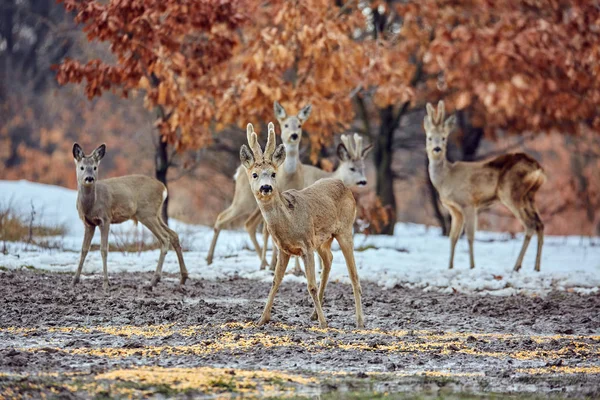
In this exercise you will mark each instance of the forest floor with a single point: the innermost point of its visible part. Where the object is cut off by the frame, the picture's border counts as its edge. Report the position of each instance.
(59, 342)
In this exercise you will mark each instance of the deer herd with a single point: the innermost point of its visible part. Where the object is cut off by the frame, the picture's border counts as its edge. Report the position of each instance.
(303, 208)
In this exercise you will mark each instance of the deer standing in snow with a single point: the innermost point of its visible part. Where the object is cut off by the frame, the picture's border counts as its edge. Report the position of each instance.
(351, 171)
(465, 187)
(291, 176)
(116, 200)
(301, 221)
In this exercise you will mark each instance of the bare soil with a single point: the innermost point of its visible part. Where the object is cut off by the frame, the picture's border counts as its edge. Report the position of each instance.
(57, 341)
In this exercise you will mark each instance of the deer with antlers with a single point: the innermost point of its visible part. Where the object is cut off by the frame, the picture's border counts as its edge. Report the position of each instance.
(115, 200)
(301, 221)
(351, 171)
(291, 176)
(465, 187)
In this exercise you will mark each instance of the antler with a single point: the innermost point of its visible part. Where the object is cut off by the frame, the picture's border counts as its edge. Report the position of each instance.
(436, 117)
(354, 145)
(253, 142)
(441, 114)
(359, 144)
(271, 142)
(346, 140)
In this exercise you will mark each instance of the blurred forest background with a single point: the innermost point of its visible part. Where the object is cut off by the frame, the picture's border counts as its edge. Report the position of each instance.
(169, 85)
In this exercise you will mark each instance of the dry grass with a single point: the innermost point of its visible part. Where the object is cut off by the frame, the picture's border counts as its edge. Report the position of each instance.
(17, 227)
(136, 241)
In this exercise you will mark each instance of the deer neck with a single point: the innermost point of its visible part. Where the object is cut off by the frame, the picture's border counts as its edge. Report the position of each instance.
(292, 158)
(86, 198)
(438, 170)
(274, 210)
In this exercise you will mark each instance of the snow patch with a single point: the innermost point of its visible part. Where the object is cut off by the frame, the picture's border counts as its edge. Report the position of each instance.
(415, 257)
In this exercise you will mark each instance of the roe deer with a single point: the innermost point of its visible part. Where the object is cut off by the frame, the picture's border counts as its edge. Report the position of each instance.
(291, 177)
(465, 187)
(351, 171)
(116, 200)
(301, 221)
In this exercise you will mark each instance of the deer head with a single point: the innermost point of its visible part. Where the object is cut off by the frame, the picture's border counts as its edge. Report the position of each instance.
(87, 166)
(437, 130)
(352, 155)
(262, 167)
(291, 127)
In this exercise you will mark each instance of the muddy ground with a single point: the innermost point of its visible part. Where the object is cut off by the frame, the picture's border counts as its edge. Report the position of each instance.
(80, 343)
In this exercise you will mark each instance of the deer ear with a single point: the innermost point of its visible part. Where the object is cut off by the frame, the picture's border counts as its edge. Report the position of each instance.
(78, 153)
(305, 113)
(450, 124)
(246, 157)
(366, 151)
(280, 113)
(342, 152)
(279, 155)
(99, 153)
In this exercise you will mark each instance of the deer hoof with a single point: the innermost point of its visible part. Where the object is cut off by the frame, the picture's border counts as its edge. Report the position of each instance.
(517, 268)
(106, 287)
(360, 324)
(155, 280)
(263, 320)
(314, 316)
(75, 281)
(183, 279)
(323, 325)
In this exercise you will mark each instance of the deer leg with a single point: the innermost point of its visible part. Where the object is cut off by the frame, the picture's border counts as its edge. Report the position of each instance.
(282, 263)
(539, 228)
(325, 257)
(223, 219)
(85, 247)
(161, 235)
(347, 245)
(470, 227)
(104, 230)
(309, 267)
(531, 221)
(265, 232)
(456, 228)
(274, 257)
(174, 239)
(251, 225)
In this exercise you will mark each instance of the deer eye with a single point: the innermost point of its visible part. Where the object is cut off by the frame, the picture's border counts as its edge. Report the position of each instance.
(353, 169)
(286, 125)
(255, 175)
(430, 139)
(299, 126)
(81, 168)
(273, 175)
(95, 168)
(443, 139)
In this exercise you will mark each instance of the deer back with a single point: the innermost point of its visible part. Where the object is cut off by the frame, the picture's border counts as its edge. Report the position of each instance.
(129, 197)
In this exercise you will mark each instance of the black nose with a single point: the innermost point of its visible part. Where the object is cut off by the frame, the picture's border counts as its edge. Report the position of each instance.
(89, 179)
(437, 149)
(294, 136)
(362, 183)
(266, 189)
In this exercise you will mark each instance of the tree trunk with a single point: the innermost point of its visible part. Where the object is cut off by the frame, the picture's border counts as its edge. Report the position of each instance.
(383, 161)
(161, 169)
(161, 165)
(471, 137)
